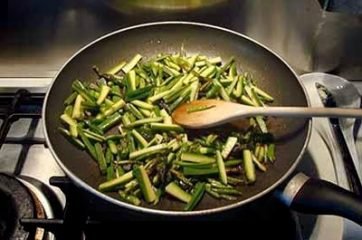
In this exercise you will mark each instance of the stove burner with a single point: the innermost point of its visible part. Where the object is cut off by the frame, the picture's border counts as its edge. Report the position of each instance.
(92, 219)
(16, 203)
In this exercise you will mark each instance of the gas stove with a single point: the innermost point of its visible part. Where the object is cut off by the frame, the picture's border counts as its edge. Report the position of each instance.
(40, 37)
(25, 155)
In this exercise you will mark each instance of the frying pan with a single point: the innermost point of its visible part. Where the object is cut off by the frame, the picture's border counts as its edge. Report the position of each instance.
(270, 72)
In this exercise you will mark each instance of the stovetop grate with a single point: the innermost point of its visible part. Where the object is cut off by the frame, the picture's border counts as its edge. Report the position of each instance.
(21, 104)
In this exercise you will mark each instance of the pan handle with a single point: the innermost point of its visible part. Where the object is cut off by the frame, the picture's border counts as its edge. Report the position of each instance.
(309, 195)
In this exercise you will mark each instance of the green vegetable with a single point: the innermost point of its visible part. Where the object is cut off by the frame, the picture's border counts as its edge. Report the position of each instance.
(229, 145)
(87, 144)
(100, 158)
(77, 108)
(70, 99)
(196, 196)
(140, 93)
(196, 158)
(221, 167)
(72, 139)
(67, 119)
(129, 198)
(110, 122)
(134, 111)
(116, 68)
(271, 152)
(142, 104)
(103, 94)
(131, 64)
(174, 190)
(149, 151)
(263, 94)
(110, 173)
(144, 121)
(166, 127)
(258, 164)
(109, 156)
(131, 80)
(114, 108)
(112, 146)
(139, 138)
(94, 136)
(79, 87)
(249, 166)
(191, 171)
(123, 120)
(114, 183)
(166, 117)
(145, 184)
(227, 191)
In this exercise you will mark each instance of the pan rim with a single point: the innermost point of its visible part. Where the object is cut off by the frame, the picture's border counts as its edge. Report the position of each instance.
(79, 182)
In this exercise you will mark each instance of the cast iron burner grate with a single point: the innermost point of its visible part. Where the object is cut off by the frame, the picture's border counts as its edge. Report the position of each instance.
(22, 104)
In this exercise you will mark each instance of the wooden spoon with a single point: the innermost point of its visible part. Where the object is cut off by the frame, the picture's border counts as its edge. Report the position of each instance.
(210, 113)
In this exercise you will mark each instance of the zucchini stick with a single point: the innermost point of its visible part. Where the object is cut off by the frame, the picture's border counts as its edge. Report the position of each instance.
(131, 64)
(150, 150)
(221, 167)
(145, 184)
(77, 108)
(115, 183)
(103, 94)
(166, 127)
(139, 138)
(228, 147)
(249, 166)
(174, 190)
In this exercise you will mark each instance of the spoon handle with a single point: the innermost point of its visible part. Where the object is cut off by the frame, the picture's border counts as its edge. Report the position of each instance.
(305, 112)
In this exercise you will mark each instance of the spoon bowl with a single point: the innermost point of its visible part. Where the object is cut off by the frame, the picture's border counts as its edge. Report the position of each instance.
(209, 113)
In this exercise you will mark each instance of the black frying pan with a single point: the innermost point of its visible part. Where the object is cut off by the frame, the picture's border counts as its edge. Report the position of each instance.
(271, 73)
